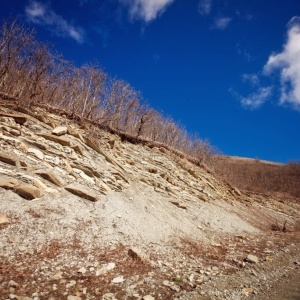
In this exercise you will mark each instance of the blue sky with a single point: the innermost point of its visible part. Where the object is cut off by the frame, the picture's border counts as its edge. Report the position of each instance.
(227, 69)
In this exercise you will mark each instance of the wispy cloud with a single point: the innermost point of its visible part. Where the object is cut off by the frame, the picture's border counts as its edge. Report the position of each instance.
(256, 99)
(146, 10)
(221, 23)
(204, 7)
(252, 78)
(42, 14)
(288, 64)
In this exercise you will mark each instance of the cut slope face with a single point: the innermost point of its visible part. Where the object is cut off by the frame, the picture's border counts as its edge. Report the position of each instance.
(60, 183)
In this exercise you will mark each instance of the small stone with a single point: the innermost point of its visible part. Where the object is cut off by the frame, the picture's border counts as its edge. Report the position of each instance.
(136, 254)
(247, 291)
(3, 219)
(105, 268)
(108, 296)
(12, 296)
(82, 270)
(13, 283)
(71, 297)
(57, 276)
(252, 258)
(148, 297)
(118, 279)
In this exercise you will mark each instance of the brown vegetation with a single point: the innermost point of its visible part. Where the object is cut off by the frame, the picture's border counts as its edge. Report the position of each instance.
(31, 75)
(259, 176)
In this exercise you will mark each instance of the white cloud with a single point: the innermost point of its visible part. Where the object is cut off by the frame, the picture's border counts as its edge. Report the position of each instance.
(221, 23)
(252, 78)
(288, 64)
(41, 14)
(256, 99)
(204, 7)
(146, 10)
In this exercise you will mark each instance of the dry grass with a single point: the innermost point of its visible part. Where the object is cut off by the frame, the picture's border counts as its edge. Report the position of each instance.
(258, 176)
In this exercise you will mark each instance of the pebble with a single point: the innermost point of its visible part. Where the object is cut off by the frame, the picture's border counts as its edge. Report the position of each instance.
(119, 279)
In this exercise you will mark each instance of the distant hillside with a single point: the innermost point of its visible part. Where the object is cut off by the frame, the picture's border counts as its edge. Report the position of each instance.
(258, 176)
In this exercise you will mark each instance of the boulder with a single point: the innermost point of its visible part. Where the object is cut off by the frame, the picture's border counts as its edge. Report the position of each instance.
(81, 191)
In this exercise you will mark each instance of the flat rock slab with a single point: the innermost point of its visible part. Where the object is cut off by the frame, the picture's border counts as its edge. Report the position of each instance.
(25, 191)
(8, 159)
(18, 118)
(60, 130)
(50, 176)
(81, 191)
(55, 139)
(28, 192)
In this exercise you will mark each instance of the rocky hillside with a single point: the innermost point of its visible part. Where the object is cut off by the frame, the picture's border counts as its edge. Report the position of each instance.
(87, 215)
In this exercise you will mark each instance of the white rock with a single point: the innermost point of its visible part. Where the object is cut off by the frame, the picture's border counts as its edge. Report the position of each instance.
(119, 279)
(105, 268)
(60, 130)
(148, 297)
(13, 283)
(82, 270)
(252, 258)
(57, 275)
(70, 297)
